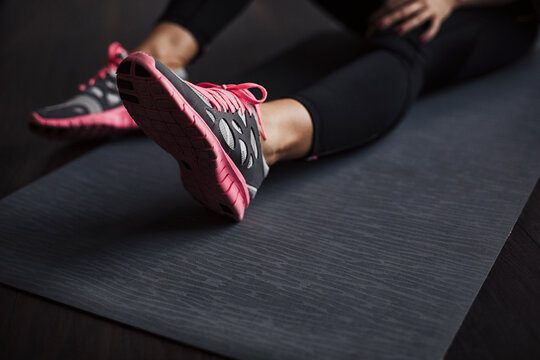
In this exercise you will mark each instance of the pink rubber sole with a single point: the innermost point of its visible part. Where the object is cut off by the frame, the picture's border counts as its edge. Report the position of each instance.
(110, 122)
(161, 111)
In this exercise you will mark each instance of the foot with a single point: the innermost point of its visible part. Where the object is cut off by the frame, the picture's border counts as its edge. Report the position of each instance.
(212, 131)
(96, 111)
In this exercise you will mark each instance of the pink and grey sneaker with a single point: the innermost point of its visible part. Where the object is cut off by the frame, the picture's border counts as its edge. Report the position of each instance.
(212, 131)
(96, 111)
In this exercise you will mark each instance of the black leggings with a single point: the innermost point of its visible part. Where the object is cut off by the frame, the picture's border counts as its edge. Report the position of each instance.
(364, 99)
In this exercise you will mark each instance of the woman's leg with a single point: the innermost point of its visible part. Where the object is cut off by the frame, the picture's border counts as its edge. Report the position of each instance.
(173, 44)
(187, 27)
(364, 99)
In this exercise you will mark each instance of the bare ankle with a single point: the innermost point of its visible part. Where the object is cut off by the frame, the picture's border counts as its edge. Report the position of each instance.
(171, 44)
(289, 130)
(270, 155)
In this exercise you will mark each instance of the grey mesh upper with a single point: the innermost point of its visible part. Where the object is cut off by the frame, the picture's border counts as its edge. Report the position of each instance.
(101, 96)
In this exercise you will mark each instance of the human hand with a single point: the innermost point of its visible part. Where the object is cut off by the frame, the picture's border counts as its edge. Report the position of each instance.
(411, 14)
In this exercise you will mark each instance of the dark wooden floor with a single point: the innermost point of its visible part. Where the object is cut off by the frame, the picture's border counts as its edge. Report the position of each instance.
(504, 320)
(46, 49)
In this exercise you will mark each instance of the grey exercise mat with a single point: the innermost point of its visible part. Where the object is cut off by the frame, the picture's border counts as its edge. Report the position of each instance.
(374, 253)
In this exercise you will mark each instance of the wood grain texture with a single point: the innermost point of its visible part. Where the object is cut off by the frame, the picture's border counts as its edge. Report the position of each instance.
(376, 253)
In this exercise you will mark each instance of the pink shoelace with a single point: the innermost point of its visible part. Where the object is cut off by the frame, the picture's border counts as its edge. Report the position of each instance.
(220, 97)
(115, 49)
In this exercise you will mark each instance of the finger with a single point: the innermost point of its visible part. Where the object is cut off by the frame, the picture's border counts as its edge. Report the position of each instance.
(415, 21)
(432, 31)
(388, 7)
(401, 13)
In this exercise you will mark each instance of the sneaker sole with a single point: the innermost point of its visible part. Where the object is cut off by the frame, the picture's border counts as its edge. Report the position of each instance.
(92, 126)
(161, 111)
